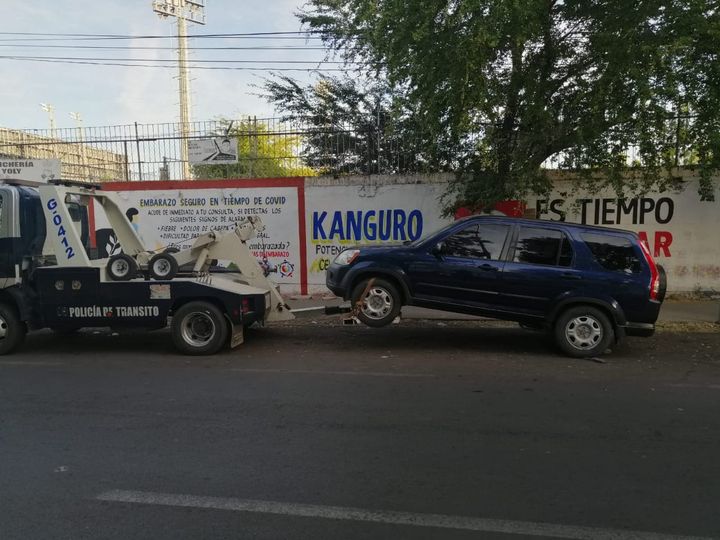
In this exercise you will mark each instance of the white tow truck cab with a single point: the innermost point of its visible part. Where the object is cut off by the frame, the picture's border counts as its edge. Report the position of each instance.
(49, 280)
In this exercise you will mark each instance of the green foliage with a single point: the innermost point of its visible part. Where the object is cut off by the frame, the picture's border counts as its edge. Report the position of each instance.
(354, 126)
(503, 85)
(261, 154)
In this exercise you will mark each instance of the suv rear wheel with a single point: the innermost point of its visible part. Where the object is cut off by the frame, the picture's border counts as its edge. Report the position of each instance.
(378, 300)
(583, 331)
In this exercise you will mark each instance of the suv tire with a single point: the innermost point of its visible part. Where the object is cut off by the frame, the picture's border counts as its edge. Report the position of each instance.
(199, 328)
(381, 304)
(12, 329)
(583, 331)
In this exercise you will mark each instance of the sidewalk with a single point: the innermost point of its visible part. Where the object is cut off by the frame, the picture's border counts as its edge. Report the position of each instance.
(672, 310)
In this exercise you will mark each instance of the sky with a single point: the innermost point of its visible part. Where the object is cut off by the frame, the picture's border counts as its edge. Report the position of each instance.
(109, 95)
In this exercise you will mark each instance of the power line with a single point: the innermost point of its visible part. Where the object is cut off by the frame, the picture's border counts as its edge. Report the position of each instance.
(292, 32)
(164, 60)
(149, 48)
(217, 68)
(102, 37)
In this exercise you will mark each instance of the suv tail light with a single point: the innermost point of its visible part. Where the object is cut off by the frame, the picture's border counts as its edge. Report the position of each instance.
(654, 273)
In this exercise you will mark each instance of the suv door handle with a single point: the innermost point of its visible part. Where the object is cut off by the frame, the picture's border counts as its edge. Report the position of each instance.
(488, 267)
(568, 275)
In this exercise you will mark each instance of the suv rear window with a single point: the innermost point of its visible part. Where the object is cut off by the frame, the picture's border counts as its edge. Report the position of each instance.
(543, 246)
(613, 253)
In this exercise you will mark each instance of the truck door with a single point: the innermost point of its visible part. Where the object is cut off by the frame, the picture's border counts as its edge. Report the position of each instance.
(8, 237)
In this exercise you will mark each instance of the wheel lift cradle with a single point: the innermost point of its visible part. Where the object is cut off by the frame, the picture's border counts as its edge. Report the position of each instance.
(77, 292)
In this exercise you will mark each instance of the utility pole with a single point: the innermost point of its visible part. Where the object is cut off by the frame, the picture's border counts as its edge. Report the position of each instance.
(84, 175)
(51, 117)
(183, 11)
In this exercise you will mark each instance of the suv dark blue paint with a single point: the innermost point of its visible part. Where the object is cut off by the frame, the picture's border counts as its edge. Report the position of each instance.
(589, 285)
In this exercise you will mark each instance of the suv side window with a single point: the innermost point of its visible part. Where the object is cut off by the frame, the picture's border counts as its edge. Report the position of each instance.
(613, 253)
(543, 246)
(478, 241)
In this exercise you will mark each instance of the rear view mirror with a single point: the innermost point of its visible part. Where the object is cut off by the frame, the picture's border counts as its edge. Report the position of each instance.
(437, 249)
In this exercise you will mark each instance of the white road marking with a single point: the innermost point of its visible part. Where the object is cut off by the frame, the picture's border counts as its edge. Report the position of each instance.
(341, 373)
(21, 363)
(690, 385)
(440, 521)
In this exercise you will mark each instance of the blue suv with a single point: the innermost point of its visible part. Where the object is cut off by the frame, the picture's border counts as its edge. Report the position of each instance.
(589, 286)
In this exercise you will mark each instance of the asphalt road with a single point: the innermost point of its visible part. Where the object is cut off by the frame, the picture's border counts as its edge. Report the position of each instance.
(313, 431)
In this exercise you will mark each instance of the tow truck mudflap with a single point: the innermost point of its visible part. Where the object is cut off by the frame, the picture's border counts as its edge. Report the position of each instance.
(237, 335)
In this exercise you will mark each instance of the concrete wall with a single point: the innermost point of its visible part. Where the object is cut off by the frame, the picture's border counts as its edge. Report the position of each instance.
(309, 220)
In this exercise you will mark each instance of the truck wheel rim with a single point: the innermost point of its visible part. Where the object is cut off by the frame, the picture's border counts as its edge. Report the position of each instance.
(3, 328)
(377, 304)
(161, 267)
(198, 329)
(584, 332)
(120, 267)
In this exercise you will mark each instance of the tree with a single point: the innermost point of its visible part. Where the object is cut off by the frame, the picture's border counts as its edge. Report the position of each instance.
(507, 84)
(352, 125)
(262, 153)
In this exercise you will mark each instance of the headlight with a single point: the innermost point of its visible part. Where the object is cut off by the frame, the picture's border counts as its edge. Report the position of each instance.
(347, 256)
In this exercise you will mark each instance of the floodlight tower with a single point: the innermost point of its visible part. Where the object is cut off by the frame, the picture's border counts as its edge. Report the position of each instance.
(183, 11)
(50, 109)
(81, 137)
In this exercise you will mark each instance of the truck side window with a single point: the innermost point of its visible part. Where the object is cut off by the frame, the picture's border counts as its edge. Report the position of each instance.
(3, 217)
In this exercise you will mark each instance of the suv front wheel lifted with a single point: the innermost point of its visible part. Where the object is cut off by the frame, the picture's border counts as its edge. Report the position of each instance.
(376, 302)
(583, 331)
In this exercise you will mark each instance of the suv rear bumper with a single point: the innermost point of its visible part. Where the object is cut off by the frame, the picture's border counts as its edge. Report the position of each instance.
(639, 329)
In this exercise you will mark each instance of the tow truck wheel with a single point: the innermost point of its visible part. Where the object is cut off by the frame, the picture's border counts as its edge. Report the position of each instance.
(199, 328)
(163, 266)
(121, 267)
(12, 329)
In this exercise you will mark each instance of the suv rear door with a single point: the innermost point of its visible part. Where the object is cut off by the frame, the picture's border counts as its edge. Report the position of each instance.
(540, 268)
(618, 269)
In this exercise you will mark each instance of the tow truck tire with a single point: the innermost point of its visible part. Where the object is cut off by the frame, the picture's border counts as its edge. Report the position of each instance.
(121, 267)
(163, 266)
(199, 328)
(12, 329)
(381, 304)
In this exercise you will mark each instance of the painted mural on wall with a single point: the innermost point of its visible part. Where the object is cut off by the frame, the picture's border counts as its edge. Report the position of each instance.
(172, 218)
(339, 217)
(680, 230)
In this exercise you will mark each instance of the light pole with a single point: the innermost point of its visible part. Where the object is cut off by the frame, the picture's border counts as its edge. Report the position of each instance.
(81, 137)
(51, 117)
(183, 11)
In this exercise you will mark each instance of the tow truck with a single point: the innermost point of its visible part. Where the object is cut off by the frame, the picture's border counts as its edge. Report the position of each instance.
(49, 280)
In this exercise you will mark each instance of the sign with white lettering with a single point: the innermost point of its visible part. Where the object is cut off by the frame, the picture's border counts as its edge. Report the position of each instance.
(216, 150)
(33, 170)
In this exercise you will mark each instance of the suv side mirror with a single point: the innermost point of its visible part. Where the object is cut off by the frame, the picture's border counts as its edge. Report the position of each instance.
(438, 249)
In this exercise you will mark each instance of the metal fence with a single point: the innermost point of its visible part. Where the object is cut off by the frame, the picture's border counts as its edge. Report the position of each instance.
(267, 147)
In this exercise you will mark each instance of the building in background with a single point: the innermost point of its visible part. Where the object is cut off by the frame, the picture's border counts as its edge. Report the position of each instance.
(79, 160)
